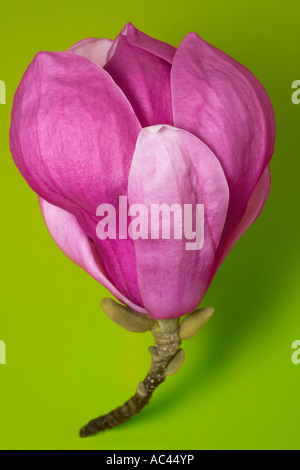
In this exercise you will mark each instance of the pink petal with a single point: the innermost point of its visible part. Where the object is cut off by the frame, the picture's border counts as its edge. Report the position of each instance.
(143, 76)
(73, 135)
(93, 49)
(147, 43)
(72, 240)
(172, 166)
(221, 102)
(254, 208)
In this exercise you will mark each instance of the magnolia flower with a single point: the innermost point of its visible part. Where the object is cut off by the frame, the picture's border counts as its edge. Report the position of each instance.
(136, 117)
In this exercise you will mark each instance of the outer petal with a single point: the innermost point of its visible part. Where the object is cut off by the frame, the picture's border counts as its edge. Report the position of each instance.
(172, 166)
(72, 240)
(73, 135)
(221, 102)
(143, 75)
(93, 49)
(254, 208)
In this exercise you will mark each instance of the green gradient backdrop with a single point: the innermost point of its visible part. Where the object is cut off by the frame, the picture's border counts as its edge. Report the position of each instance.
(66, 362)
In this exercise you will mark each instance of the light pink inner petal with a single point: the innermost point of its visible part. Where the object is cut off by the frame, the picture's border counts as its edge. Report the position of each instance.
(93, 49)
(72, 240)
(171, 166)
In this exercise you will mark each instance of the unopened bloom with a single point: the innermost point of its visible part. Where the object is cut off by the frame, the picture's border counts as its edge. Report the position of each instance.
(136, 117)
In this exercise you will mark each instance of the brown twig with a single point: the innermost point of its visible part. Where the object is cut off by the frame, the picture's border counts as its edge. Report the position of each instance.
(166, 359)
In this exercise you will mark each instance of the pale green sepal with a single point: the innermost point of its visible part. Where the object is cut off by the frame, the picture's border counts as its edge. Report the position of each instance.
(126, 317)
(194, 321)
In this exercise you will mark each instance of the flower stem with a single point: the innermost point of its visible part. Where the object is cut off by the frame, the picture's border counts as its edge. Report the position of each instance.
(166, 359)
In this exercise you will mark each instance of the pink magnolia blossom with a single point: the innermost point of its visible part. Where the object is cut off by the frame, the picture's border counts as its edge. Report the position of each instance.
(139, 118)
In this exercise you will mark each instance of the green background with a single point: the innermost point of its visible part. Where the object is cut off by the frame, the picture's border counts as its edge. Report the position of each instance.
(66, 362)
